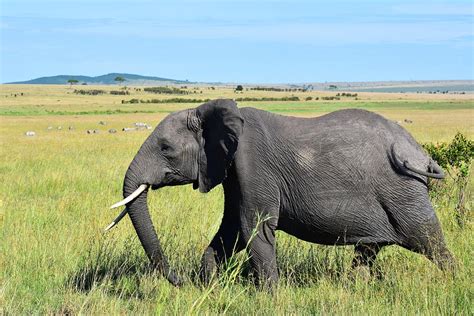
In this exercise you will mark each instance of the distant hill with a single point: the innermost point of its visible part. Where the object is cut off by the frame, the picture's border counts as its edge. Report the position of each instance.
(130, 79)
(412, 86)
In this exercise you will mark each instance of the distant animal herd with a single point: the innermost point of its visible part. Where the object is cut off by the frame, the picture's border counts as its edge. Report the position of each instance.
(138, 126)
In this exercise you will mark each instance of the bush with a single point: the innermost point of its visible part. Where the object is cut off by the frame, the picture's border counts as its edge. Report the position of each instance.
(172, 100)
(183, 100)
(457, 154)
(277, 89)
(165, 90)
(455, 158)
(114, 92)
(344, 94)
(89, 92)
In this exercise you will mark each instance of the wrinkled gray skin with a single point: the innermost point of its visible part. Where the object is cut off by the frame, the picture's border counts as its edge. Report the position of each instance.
(335, 180)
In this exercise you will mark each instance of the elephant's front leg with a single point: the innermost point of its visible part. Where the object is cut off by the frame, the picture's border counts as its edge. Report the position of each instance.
(225, 243)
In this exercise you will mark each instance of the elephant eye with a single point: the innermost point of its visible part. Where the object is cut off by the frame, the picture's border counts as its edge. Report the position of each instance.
(165, 147)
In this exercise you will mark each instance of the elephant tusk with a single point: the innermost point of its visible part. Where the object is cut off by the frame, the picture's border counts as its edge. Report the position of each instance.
(132, 196)
(116, 221)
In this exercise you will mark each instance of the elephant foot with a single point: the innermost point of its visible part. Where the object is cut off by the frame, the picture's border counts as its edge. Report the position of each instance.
(207, 271)
(174, 279)
(205, 277)
(446, 262)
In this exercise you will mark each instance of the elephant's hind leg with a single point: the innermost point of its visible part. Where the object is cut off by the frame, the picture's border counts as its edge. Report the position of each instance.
(364, 259)
(365, 254)
(427, 238)
(420, 231)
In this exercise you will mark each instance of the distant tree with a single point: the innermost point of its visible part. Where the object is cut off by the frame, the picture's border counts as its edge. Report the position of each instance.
(119, 79)
(239, 88)
(72, 81)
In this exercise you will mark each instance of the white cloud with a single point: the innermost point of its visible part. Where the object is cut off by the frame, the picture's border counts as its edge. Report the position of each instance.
(311, 33)
(382, 22)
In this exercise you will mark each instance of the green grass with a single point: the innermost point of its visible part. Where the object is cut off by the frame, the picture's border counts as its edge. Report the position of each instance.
(324, 107)
(294, 108)
(57, 187)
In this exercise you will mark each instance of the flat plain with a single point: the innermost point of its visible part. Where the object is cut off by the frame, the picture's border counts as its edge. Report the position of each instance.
(57, 187)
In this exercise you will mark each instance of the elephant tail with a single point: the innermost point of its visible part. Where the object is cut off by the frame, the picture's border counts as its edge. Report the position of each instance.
(433, 169)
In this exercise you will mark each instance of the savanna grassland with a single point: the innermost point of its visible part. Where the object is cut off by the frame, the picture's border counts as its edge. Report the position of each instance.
(57, 187)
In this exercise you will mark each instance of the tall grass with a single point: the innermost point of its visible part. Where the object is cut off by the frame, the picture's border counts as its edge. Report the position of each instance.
(55, 192)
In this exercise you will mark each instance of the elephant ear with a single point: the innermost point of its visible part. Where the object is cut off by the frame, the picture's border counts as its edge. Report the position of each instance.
(221, 127)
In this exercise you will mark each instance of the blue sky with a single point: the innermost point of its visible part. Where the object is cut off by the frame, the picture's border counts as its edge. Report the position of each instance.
(255, 41)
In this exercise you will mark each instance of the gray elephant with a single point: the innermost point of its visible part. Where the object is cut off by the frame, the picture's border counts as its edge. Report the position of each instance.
(350, 177)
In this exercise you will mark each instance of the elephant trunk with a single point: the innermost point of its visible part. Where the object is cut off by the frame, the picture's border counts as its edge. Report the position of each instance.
(140, 216)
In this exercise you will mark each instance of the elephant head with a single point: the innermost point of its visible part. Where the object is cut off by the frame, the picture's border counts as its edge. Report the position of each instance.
(191, 146)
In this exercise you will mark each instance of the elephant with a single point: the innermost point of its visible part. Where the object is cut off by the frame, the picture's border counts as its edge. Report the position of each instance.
(350, 177)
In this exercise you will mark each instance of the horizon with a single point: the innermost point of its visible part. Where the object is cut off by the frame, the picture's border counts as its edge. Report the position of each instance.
(248, 83)
(270, 42)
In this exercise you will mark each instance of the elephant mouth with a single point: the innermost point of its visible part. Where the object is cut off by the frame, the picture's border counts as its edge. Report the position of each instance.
(132, 196)
(142, 188)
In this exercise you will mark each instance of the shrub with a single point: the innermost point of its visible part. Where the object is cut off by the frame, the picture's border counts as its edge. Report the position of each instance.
(183, 100)
(457, 154)
(277, 89)
(89, 92)
(172, 100)
(114, 92)
(165, 90)
(455, 157)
